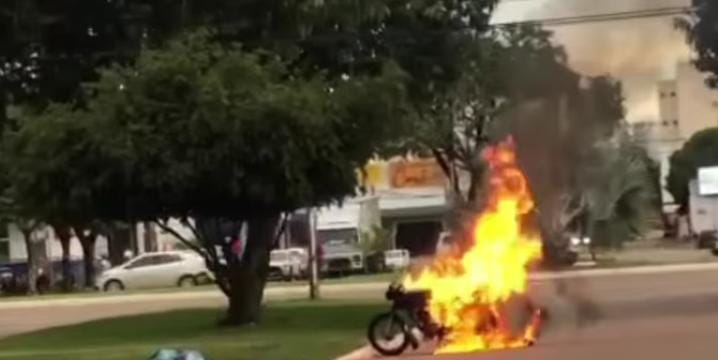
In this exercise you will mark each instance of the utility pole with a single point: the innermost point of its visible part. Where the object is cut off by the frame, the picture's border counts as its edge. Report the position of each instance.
(313, 256)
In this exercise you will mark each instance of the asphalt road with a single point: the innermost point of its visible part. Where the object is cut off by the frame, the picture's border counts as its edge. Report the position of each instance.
(649, 316)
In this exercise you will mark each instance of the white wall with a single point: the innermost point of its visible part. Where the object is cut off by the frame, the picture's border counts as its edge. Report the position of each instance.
(18, 251)
(697, 104)
(165, 240)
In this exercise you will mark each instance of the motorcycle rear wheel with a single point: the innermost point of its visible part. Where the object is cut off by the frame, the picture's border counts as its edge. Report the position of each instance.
(387, 334)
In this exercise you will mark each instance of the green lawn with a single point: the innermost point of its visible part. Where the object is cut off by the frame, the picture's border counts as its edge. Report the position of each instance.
(291, 330)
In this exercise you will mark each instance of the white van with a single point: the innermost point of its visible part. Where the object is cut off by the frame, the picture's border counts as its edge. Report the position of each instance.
(288, 264)
(397, 259)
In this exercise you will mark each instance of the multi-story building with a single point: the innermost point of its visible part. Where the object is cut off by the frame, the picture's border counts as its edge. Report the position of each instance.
(686, 105)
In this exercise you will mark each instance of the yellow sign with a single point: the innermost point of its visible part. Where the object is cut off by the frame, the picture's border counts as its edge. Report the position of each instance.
(416, 173)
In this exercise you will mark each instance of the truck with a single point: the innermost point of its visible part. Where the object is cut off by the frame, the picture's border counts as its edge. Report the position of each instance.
(339, 229)
(704, 216)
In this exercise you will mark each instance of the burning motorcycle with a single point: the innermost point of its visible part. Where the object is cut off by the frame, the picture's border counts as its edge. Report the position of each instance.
(392, 332)
(474, 297)
(409, 322)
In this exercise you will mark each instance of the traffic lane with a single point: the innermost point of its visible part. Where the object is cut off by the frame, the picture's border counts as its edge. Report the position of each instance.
(665, 338)
(658, 316)
(604, 289)
(582, 300)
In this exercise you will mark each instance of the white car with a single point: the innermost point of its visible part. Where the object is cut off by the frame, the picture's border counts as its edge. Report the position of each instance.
(397, 259)
(288, 264)
(154, 270)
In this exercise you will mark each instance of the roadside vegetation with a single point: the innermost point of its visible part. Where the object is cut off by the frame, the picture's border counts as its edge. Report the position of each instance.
(289, 330)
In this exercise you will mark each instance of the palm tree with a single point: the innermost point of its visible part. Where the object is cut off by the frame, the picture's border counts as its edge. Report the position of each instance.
(621, 192)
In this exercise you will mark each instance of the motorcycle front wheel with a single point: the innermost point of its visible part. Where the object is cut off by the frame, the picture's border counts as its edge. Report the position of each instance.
(387, 334)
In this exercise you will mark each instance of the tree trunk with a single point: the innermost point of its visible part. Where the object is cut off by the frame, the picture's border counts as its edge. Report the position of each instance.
(87, 242)
(31, 263)
(65, 237)
(88, 260)
(118, 243)
(3, 108)
(150, 237)
(248, 277)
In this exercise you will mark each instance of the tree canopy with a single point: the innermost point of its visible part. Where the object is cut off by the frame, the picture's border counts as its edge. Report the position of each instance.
(208, 132)
(699, 151)
(703, 35)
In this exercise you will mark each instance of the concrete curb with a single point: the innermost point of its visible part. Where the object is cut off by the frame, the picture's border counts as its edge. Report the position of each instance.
(362, 353)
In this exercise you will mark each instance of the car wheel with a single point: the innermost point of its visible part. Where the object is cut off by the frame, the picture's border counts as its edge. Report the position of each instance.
(715, 252)
(114, 286)
(187, 281)
(203, 278)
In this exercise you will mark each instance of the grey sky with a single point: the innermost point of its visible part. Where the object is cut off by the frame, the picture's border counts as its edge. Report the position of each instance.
(640, 52)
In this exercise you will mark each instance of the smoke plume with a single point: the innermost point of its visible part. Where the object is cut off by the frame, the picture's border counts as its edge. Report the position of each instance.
(639, 52)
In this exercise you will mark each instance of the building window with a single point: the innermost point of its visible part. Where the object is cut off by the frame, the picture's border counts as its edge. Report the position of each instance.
(675, 122)
(673, 94)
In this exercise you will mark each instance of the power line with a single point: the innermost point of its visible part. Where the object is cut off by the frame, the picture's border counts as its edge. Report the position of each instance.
(615, 16)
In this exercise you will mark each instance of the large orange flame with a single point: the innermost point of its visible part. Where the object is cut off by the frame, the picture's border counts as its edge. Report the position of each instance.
(469, 287)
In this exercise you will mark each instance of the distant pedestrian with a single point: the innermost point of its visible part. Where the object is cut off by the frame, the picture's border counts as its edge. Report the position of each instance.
(128, 255)
(238, 248)
(104, 264)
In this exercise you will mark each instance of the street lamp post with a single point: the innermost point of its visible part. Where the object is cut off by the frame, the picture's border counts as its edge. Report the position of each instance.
(313, 256)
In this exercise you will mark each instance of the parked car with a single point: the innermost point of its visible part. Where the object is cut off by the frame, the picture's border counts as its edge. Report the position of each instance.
(153, 270)
(397, 259)
(288, 264)
(7, 279)
(14, 279)
(342, 258)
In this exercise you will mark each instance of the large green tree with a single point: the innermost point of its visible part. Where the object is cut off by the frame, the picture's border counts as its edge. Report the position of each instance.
(214, 136)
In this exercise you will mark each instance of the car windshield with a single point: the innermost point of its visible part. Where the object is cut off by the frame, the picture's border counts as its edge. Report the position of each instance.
(340, 248)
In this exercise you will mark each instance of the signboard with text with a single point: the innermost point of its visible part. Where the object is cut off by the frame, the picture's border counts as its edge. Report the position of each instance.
(416, 173)
(708, 181)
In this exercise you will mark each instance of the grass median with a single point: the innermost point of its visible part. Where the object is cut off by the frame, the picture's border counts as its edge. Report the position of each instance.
(293, 330)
